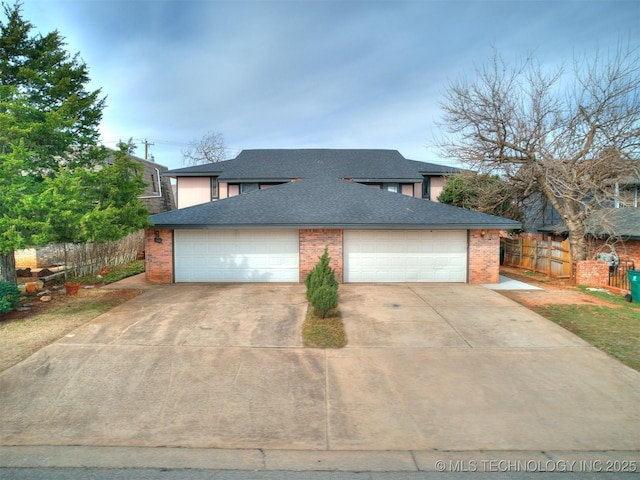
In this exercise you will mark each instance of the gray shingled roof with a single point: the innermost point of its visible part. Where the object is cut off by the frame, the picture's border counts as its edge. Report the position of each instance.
(360, 165)
(284, 165)
(620, 222)
(328, 203)
(199, 170)
(426, 168)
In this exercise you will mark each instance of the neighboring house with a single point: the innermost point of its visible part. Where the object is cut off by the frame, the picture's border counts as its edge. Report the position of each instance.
(158, 195)
(627, 192)
(267, 215)
(610, 229)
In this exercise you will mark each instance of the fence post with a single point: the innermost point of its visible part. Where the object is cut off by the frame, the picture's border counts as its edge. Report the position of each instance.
(549, 255)
(521, 244)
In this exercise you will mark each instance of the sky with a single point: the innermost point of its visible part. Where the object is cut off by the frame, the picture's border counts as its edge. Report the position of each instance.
(309, 73)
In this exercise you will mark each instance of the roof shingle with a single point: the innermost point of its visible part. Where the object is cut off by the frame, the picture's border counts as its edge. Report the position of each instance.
(327, 203)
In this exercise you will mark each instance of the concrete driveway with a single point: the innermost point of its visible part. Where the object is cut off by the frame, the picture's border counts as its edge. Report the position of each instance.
(433, 366)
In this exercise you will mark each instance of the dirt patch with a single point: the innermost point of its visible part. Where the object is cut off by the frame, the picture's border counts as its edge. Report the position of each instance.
(555, 291)
(22, 333)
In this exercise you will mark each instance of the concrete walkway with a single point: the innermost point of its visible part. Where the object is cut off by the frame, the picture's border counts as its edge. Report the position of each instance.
(506, 283)
(429, 369)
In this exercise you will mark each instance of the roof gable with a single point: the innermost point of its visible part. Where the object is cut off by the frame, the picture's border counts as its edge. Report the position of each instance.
(327, 202)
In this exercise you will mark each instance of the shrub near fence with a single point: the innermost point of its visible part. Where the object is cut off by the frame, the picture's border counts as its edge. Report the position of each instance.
(542, 256)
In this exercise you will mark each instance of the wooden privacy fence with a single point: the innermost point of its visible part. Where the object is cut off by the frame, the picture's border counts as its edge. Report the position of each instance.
(542, 256)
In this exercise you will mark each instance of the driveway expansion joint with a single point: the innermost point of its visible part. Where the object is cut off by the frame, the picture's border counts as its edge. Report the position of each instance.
(524, 386)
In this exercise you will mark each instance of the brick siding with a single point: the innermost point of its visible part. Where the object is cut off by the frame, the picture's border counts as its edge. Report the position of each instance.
(159, 256)
(484, 256)
(592, 273)
(312, 243)
(626, 249)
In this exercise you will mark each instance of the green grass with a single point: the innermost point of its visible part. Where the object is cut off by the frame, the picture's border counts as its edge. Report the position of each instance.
(614, 299)
(325, 332)
(116, 273)
(615, 329)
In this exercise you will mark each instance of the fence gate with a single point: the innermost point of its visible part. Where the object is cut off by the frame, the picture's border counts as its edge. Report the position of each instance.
(618, 275)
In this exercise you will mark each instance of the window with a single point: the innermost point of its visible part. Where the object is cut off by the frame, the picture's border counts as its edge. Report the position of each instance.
(391, 187)
(248, 187)
(426, 188)
(214, 188)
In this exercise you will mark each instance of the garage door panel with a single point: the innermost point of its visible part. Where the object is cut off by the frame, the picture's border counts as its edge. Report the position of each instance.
(236, 256)
(405, 256)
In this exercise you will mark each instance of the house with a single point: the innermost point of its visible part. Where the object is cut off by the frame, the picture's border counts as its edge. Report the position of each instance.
(260, 169)
(613, 228)
(158, 194)
(267, 215)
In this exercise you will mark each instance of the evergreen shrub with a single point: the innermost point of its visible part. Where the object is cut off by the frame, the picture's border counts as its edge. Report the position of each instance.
(9, 297)
(322, 286)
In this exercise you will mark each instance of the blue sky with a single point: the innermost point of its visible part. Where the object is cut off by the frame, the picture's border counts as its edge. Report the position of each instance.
(305, 73)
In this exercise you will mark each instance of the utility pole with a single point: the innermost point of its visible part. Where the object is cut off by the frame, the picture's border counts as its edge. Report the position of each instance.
(146, 148)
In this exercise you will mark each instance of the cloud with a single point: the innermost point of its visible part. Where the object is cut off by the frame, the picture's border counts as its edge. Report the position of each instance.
(292, 74)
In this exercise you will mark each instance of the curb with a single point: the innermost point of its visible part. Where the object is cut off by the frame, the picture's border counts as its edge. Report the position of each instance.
(321, 460)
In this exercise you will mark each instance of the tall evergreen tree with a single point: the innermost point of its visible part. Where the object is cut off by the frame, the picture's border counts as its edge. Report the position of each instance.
(65, 113)
(48, 118)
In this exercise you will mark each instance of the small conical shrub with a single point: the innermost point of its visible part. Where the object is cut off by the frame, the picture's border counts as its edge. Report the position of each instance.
(322, 286)
(324, 299)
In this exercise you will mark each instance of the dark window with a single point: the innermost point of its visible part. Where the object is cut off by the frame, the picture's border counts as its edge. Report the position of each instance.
(391, 187)
(248, 187)
(426, 188)
(214, 188)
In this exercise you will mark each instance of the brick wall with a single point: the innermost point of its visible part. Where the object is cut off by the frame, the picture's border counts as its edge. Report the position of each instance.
(484, 256)
(159, 256)
(592, 273)
(27, 258)
(312, 243)
(626, 250)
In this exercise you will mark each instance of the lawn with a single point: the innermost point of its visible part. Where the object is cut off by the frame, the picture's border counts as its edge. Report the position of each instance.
(22, 333)
(614, 329)
(325, 332)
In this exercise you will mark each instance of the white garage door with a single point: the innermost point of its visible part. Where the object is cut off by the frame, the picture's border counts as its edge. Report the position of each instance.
(236, 255)
(405, 256)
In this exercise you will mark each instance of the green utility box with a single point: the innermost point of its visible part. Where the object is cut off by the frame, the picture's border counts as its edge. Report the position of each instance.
(634, 283)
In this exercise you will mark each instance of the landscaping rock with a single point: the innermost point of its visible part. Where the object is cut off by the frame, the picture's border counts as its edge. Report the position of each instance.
(45, 298)
(23, 272)
(45, 272)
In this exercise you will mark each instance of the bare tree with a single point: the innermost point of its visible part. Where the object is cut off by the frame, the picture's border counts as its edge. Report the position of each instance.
(209, 149)
(565, 139)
